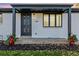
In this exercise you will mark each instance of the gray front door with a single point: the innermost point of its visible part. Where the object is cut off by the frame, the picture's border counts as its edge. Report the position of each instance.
(26, 24)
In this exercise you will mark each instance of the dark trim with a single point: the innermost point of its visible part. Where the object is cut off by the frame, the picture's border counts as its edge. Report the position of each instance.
(37, 12)
(38, 5)
(55, 20)
(61, 20)
(69, 22)
(14, 21)
(43, 20)
(52, 26)
(74, 10)
(49, 19)
(31, 23)
(21, 24)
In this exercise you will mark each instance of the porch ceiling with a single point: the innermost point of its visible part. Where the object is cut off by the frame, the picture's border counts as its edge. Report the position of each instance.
(42, 10)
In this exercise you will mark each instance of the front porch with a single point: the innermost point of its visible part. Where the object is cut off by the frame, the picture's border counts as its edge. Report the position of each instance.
(29, 40)
(42, 9)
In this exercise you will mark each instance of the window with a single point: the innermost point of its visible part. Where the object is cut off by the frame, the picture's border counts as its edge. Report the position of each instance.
(58, 19)
(0, 18)
(46, 20)
(52, 20)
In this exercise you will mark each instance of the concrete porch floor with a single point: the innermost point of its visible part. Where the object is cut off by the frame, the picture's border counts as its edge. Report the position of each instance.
(29, 40)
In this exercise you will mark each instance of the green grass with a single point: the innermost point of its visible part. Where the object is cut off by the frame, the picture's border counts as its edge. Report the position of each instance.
(38, 53)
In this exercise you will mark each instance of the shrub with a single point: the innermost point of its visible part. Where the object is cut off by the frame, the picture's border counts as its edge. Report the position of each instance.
(74, 37)
(14, 35)
(7, 41)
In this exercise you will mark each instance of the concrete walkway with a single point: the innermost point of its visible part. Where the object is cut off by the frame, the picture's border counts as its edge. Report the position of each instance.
(41, 41)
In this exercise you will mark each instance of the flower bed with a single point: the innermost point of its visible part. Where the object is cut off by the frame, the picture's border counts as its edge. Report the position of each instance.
(39, 47)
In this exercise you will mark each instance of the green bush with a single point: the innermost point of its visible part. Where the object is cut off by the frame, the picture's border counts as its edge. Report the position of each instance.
(14, 35)
(7, 40)
(75, 38)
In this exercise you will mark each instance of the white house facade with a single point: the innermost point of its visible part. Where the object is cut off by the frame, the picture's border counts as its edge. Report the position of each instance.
(39, 21)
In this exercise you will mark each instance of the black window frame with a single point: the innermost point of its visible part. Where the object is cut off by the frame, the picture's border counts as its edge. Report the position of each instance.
(49, 20)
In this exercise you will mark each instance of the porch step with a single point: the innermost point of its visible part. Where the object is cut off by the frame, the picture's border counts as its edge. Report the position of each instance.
(25, 37)
(24, 40)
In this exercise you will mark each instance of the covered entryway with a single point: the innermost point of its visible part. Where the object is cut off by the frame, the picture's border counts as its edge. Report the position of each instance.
(25, 24)
(41, 8)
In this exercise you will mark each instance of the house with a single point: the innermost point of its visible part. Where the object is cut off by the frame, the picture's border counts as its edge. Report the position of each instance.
(39, 20)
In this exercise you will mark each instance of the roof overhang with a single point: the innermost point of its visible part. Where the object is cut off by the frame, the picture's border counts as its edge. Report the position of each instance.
(42, 7)
(35, 7)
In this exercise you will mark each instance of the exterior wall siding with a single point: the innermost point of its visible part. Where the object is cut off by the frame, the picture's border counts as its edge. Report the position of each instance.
(18, 25)
(6, 26)
(38, 31)
(75, 24)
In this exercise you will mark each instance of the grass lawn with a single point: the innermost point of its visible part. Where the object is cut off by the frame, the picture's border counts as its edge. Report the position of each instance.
(38, 53)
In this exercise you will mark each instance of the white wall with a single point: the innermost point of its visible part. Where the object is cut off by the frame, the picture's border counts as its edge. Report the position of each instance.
(37, 27)
(18, 24)
(6, 26)
(38, 31)
(75, 24)
(41, 32)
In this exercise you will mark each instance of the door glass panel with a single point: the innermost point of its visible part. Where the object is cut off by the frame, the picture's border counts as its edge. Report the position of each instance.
(26, 24)
(24, 29)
